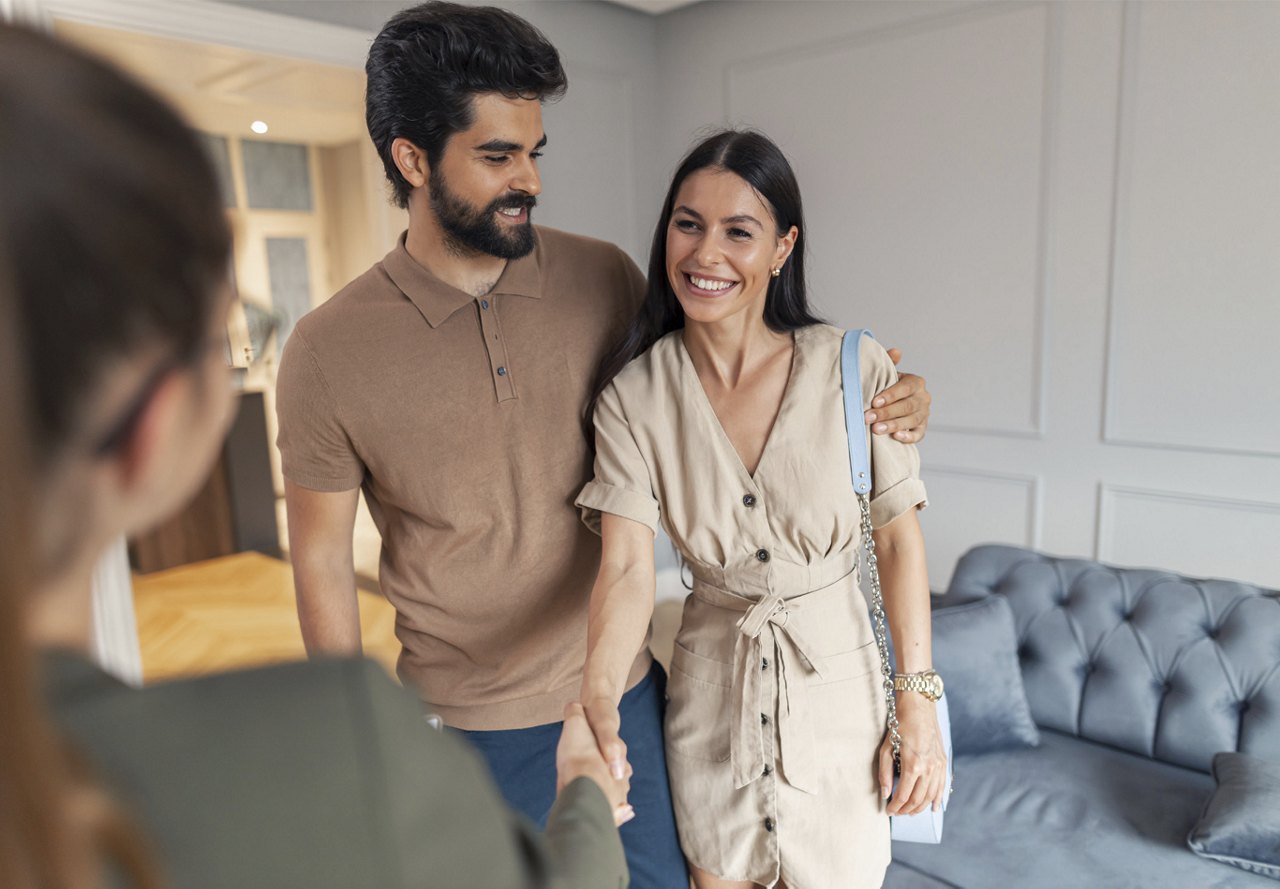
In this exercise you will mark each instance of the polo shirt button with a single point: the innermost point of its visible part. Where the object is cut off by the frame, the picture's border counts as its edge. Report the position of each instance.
(768, 824)
(762, 555)
(502, 371)
(484, 304)
(749, 501)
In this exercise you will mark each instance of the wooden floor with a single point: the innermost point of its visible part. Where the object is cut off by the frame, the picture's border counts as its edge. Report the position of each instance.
(235, 612)
(238, 611)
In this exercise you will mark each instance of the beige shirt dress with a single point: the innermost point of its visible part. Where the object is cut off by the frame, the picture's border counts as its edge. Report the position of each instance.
(776, 707)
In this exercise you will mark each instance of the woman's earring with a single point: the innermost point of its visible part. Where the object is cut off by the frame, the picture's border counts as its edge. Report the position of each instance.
(776, 272)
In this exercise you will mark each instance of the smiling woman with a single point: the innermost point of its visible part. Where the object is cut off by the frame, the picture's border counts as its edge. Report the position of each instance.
(725, 179)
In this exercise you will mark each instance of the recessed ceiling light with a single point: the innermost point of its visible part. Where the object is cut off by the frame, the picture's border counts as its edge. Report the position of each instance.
(258, 126)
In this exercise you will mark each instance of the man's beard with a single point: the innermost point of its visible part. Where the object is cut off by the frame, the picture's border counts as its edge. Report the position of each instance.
(468, 230)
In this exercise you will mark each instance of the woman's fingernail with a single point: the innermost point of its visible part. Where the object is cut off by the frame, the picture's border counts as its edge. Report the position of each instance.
(879, 402)
(880, 427)
(871, 417)
(884, 792)
(628, 815)
(617, 768)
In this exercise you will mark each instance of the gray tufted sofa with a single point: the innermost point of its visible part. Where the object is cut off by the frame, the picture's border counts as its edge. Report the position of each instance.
(1135, 678)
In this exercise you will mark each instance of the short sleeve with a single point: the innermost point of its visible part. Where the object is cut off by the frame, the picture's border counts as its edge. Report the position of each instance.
(315, 450)
(621, 485)
(895, 465)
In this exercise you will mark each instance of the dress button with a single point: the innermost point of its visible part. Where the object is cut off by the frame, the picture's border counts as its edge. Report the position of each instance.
(764, 663)
(768, 769)
(768, 824)
(484, 304)
(749, 500)
(762, 555)
(764, 718)
(502, 371)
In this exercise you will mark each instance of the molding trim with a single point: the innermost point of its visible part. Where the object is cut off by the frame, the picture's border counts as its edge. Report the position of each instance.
(207, 22)
(1032, 483)
(1124, 159)
(1108, 494)
(1046, 186)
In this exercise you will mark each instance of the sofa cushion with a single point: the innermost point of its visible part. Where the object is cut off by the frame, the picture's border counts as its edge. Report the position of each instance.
(1240, 824)
(1172, 667)
(975, 648)
(1071, 814)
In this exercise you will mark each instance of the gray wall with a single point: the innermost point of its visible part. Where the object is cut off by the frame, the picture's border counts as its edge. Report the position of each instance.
(1066, 215)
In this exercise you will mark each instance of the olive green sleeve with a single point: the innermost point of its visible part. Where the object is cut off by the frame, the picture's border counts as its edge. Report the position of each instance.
(584, 846)
(445, 823)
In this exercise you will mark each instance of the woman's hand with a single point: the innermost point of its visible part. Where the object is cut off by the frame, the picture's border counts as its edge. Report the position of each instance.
(923, 775)
(578, 756)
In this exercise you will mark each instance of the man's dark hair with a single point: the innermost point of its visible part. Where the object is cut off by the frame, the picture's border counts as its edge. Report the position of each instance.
(428, 63)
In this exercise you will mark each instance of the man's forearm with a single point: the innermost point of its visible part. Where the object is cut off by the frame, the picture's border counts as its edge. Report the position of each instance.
(328, 609)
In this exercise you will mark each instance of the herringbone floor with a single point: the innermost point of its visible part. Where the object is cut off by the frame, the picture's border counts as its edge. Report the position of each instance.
(235, 612)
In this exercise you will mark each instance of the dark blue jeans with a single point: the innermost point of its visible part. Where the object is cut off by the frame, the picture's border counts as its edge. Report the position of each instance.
(523, 762)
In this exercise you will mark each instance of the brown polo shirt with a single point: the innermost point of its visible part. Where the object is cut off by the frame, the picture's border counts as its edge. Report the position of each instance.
(460, 417)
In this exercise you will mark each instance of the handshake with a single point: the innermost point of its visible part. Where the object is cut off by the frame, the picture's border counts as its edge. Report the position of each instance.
(581, 755)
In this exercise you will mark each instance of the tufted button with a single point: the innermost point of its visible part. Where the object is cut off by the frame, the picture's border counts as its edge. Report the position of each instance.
(1243, 706)
(1213, 633)
(1023, 652)
(1166, 687)
(762, 555)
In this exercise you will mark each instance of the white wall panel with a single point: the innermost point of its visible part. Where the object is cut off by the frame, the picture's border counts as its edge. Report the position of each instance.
(921, 155)
(1196, 289)
(1190, 534)
(969, 507)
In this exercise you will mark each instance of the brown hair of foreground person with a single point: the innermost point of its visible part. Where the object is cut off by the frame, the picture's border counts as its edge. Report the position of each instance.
(88, 283)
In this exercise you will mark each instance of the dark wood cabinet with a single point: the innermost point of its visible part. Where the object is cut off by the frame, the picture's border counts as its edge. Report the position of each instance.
(235, 509)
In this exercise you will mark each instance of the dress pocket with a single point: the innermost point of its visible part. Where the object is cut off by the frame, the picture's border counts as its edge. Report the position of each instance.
(698, 710)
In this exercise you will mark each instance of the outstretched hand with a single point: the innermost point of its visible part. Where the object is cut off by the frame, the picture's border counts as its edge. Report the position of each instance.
(902, 410)
(578, 755)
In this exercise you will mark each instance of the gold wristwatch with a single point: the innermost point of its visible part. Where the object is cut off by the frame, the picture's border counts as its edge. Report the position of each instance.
(928, 683)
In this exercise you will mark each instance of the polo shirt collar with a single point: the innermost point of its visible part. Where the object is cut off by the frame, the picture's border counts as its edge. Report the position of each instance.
(437, 300)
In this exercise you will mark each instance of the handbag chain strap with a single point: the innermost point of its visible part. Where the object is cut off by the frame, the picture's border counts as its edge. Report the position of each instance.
(882, 641)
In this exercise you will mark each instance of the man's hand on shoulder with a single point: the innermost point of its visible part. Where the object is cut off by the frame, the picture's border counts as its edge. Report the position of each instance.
(902, 410)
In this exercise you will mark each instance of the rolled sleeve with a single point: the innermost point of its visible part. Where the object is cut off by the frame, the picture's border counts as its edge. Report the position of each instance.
(895, 465)
(315, 449)
(622, 485)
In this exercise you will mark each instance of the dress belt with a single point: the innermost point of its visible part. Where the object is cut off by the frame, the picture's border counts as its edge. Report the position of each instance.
(773, 620)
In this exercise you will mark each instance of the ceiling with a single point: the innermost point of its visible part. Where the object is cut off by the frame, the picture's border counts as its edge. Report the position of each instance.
(223, 90)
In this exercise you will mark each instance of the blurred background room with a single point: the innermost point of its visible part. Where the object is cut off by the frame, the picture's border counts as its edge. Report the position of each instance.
(1065, 214)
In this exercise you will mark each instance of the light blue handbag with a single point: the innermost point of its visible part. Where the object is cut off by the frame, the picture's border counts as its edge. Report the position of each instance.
(926, 827)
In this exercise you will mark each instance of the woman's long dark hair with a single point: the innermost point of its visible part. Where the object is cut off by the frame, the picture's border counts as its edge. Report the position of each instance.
(755, 158)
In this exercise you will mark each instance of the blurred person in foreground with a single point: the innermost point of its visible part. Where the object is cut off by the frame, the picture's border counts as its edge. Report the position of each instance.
(114, 258)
